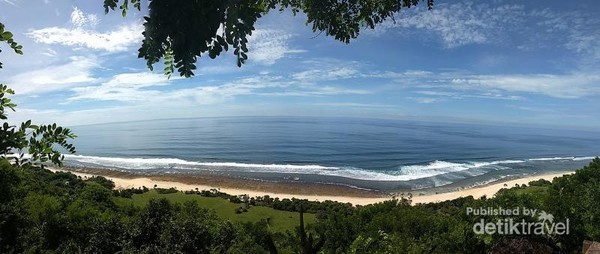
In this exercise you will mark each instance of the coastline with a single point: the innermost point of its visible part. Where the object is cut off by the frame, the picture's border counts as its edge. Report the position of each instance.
(488, 190)
(313, 192)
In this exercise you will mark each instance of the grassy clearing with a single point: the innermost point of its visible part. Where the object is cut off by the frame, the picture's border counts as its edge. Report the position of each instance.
(280, 221)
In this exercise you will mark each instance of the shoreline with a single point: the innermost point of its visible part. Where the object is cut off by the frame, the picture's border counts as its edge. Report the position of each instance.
(312, 192)
(488, 190)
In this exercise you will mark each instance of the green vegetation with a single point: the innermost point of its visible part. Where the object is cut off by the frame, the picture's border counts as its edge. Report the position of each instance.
(279, 221)
(42, 211)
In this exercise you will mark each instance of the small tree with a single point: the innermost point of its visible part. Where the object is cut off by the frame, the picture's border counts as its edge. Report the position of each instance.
(309, 244)
(40, 142)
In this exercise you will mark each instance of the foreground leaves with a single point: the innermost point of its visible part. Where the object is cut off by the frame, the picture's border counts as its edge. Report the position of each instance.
(40, 142)
(192, 29)
(6, 36)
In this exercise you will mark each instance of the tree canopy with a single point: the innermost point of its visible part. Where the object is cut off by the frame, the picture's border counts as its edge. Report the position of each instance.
(182, 31)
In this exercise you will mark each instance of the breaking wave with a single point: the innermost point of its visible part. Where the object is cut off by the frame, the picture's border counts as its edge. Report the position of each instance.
(401, 173)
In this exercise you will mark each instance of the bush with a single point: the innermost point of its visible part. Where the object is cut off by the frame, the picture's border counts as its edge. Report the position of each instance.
(109, 184)
(166, 191)
(541, 182)
(128, 193)
(240, 210)
(97, 193)
(235, 200)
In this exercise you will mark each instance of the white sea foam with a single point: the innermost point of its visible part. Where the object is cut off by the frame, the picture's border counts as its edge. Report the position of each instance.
(403, 173)
(583, 158)
(573, 158)
(129, 163)
(412, 172)
(154, 163)
(264, 166)
(150, 163)
(439, 182)
(552, 159)
(491, 180)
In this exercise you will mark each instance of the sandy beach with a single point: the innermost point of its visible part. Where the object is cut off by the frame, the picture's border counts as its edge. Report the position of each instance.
(341, 195)
(487, 190)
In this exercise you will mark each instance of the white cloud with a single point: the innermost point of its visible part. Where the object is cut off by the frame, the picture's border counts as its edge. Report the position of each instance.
(141, 88)
(115, 41)
(586, 44)
(212, 68)
(536, 109)
(425, 100)
(138, 80)
(129, 112)
(458, 24)
(266, 46)
(579, 32)
(462, 85)
(439, 93)
(449, 85)
(464, 23)
(214, 94)
(112, 94)
(122, 87)
(334, 73)
(571, 30)
(50, 53)
(87, 116)
(357, 105)
(568, 86)
(56, 77)
(13, 3)
(210, 94)
(82, 34)
(326, 69)
(317, 91)
(80, 19)
(330, 90)
(405, 76)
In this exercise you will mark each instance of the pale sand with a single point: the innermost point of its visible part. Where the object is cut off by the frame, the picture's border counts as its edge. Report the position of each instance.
(477, 192)
(486, 190)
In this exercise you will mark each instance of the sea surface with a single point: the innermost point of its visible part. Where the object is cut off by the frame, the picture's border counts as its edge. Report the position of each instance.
(362, 153)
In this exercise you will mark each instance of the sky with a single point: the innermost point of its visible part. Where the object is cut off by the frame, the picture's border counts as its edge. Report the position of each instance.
(505, 62)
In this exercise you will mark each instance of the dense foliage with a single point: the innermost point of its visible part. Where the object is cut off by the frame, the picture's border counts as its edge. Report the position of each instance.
(41, 211)
(182, 31)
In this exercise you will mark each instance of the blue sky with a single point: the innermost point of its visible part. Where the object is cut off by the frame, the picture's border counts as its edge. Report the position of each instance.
(513, 62)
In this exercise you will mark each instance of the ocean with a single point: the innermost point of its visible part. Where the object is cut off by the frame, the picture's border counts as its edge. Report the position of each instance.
(377, 154)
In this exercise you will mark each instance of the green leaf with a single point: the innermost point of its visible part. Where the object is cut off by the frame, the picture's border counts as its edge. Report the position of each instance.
(7, 35)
